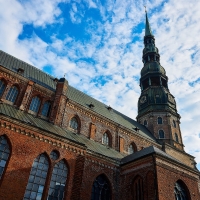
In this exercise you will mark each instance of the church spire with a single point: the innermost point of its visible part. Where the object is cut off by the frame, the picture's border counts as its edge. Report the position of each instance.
(147, 27)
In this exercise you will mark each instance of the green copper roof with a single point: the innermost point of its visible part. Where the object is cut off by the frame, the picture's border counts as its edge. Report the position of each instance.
(152, 67)
(73, 94)
(147, 27)
(24, 117)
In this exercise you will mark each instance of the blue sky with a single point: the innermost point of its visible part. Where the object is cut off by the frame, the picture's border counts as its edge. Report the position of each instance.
(99, 43)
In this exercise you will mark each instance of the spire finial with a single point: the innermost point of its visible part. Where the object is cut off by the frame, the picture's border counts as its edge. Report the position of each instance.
(147, 27)
(145, 8)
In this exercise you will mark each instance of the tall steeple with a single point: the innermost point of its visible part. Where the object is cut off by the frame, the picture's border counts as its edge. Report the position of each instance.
(156, 105)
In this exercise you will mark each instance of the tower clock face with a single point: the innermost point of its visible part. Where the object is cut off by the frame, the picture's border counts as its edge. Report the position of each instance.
(143, 99)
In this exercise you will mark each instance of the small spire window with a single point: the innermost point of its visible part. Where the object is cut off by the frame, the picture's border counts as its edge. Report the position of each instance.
(176, 137)
(160, 121)
(145, 122)
(174, 123)
(161, 134)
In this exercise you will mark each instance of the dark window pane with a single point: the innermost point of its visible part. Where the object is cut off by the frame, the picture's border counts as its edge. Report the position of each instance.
(12, 94)
(100, 189)
(35, 104)
(4, 147)
(37, 179)
(46, 109)
(2, 87)
(74, 123)
(54, 155)
(58, 182)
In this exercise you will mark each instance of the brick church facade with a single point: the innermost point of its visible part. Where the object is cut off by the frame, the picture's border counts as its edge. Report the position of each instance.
(59, 143)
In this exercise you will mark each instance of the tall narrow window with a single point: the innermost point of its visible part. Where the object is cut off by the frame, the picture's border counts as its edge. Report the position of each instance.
(138, 189)
(176, 137)
(4, 154)
(37, 178)
(145, 122)
(180, 191)
(58, 182)
(105, 139)
(2, 87)
(12, 94)
(46, 109)
(74, 123)
(174, 123)
(160, 121)
(161, 134)
(101, 189)
(35, 104)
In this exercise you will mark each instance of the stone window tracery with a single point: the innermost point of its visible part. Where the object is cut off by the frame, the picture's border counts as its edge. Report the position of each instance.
(105, 139)
(74, 123)
(101, 189)
(37, 178)
(4, 154)
(12, 94)
(58, 181)
(2, 87)
(161, 134)
(35, 104)
(46, 109)
(54, 155)
(180, 191)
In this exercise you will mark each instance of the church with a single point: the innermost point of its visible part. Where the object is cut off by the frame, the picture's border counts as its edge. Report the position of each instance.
(58, 143)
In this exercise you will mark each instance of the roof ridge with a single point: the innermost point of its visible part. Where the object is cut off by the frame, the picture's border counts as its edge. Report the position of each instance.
(30, 65)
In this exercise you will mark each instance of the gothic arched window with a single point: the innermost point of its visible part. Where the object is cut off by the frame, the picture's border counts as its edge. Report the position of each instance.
(138, 188)
(176, 137)
(161, 134)
(46, 109)
(160, 121)
(74, 123)
(12, 94)
(35, 104)
(105, 139)
(4, 154)
(2, 87)
(58, 181)
(101, 189)
(37, 178)
(145, 122)
(180, 191)
(132, 148)
(174, 123)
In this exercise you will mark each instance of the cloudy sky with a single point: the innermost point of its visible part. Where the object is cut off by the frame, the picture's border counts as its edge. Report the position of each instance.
(98, 45)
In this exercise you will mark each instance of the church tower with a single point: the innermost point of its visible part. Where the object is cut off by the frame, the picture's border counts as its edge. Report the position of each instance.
(156, 105)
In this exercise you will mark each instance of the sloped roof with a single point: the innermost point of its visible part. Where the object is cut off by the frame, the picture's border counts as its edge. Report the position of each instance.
(29, 119)
(145, 152)
(73, 94)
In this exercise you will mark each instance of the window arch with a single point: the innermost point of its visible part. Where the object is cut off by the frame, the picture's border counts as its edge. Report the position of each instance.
(105, 139)
(46, 109)
(101, 188)
(160, 121)
(181, 191)
(174, 123)
(35, 104)
(138, 188)
(4, 154)
(58, 181)
(12, 94)
(161, 134)
(37, 178)
(74, 123)
(145, 122)
(132, 148)
(2, 87)
(176, 137)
